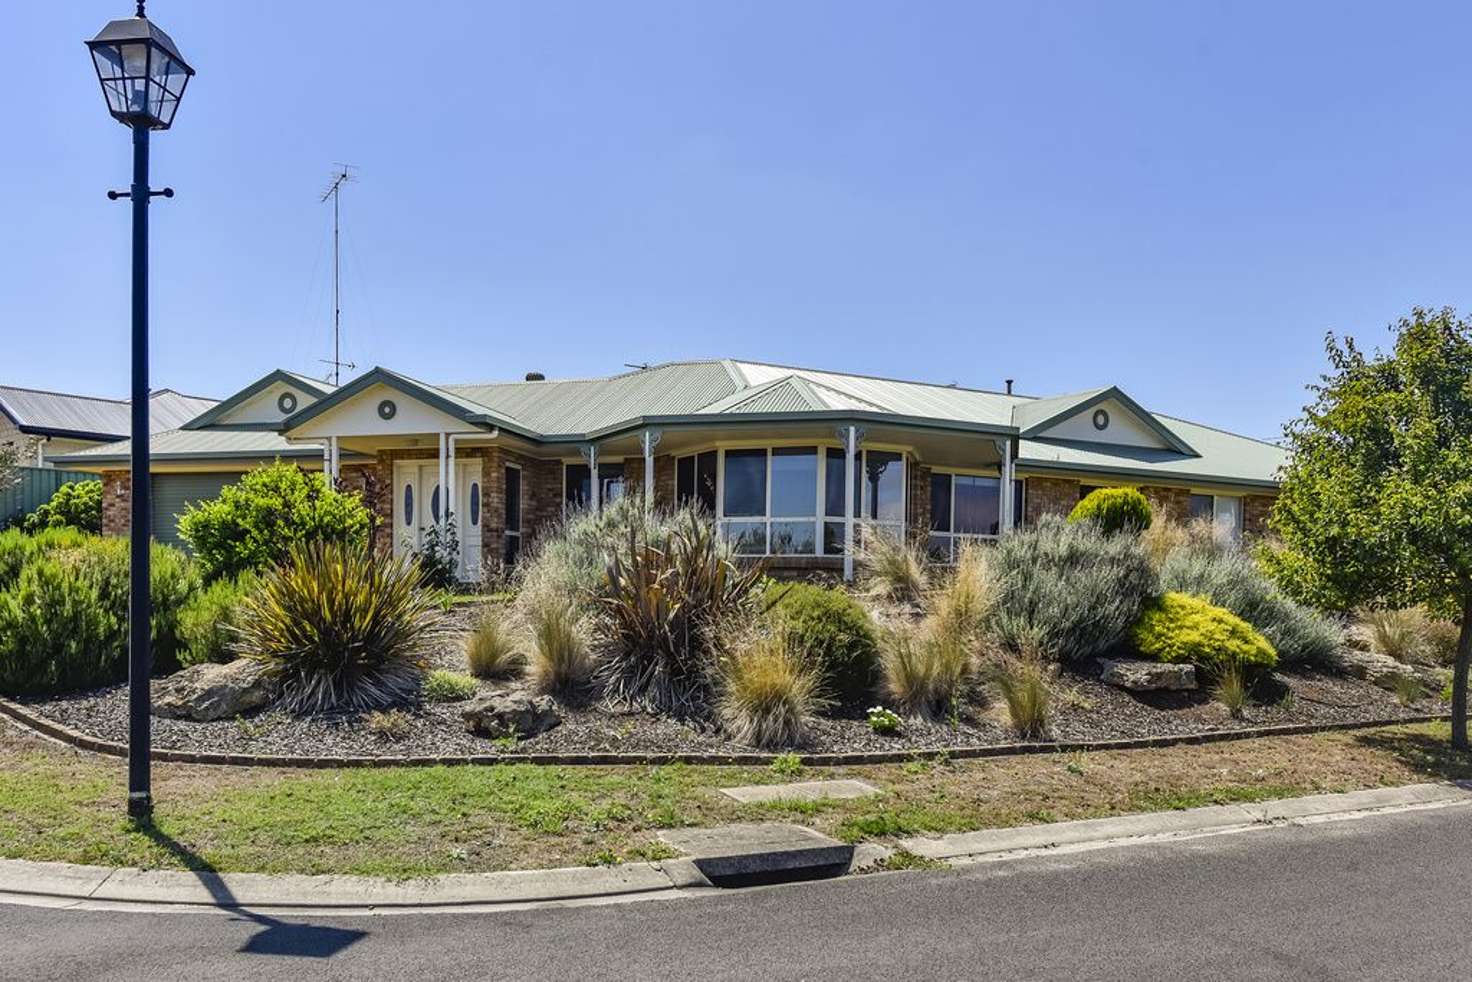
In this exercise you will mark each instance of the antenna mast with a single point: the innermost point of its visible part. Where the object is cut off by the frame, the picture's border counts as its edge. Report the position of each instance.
(343, 175)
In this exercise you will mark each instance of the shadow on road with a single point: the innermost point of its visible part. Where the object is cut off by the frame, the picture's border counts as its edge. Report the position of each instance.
(276, 937)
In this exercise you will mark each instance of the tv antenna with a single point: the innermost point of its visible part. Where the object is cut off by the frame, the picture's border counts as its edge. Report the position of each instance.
(341, 176)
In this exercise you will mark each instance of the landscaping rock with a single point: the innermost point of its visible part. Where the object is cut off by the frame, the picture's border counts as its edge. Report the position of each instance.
(511, 713)
(1148, 676)
(1384, 671)
(209, 692)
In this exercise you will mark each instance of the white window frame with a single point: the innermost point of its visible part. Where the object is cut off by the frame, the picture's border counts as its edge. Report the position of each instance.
(957, 539)
(506, 530)
(1235, 530)
(818, 519)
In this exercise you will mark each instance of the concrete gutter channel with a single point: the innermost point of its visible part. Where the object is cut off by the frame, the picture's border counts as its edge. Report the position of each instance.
(730, 856)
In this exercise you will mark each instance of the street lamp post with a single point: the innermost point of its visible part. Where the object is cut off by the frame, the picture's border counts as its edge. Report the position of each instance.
(143, 78)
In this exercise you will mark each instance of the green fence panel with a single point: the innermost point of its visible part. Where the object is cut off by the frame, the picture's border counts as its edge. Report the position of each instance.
(34, 489)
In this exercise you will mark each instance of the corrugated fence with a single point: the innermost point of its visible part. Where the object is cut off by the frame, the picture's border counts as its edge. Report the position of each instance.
(36, 486)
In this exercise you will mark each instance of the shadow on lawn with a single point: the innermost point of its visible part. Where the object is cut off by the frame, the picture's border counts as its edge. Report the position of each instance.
(276, 937)
(1430, 754)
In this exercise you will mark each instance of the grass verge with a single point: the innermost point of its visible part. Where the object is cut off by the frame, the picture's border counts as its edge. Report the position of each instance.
(60, 804)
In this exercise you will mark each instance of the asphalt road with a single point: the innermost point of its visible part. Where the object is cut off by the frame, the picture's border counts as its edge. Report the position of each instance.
(1374, 898)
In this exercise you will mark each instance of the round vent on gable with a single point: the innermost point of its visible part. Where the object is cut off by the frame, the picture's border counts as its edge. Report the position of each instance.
(387, 409)
(1101, 419)
(286, 402)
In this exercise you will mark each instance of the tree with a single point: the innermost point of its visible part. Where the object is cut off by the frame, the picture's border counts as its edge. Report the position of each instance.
(76, 504)
(1376, 500)
(254, 524)
(9, 465)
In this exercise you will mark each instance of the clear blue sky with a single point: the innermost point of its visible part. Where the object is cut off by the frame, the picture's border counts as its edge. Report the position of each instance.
(1179, 198)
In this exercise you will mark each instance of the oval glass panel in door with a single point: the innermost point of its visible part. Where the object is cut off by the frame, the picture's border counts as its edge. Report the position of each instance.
(434, 503)
(474, 502)
(408, 504)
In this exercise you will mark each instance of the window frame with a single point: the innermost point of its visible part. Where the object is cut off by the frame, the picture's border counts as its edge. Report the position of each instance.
(507, 532)
(594, 481)
(954, 540)
(819, 518)
(1237, 528)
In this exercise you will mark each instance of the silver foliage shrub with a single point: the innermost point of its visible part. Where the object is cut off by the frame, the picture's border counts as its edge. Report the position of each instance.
(1226, 576)
(1068, 591)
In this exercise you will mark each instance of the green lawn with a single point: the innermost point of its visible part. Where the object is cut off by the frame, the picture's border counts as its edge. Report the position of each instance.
(58, 804)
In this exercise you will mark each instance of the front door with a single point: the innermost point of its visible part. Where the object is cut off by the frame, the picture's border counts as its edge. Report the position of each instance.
(420, 503)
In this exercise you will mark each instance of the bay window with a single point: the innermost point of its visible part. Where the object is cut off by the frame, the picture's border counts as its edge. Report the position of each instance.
(789, 501)
(966, 508)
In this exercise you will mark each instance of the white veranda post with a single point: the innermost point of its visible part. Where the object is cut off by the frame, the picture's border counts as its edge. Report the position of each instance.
(444, 448)
(334, 462)
(651, 440)
(1009, 506)
(450, 482)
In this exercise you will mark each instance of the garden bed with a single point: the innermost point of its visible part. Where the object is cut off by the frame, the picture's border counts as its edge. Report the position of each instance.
(1086, 711)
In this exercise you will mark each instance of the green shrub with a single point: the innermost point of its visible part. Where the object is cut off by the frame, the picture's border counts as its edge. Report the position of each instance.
(256, 523)
(1226, 576)
(1069, 589)
(831, 633)
(1181, 628)
(56, 635)
(64, 620)
(885, 722)
(768, 694)
(491, 648)
(76, 504)
(341, 627)
(442, 686)
(208, 622)
(1114, 510)
(667, 599)
(18, 548)
(925, 668)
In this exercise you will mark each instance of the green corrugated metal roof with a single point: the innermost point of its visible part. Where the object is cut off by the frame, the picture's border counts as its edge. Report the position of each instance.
(196, 444)
(694, 390)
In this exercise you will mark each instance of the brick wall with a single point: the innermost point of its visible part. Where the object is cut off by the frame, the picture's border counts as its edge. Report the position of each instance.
(117, 502)
(917, 522)
(1173, 504)
(1049, 496)
(1255, 511)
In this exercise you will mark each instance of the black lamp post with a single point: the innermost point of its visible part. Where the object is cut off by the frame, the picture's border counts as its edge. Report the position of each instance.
(143, 78)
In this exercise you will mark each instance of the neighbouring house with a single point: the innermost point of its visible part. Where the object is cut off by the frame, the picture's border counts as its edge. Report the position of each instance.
(791, 462)
(49, 424)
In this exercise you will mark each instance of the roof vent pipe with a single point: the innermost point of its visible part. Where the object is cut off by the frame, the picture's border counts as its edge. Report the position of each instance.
(1009, 385)
(535, 377)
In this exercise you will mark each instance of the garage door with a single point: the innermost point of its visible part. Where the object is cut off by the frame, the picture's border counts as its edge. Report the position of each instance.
(171, 492)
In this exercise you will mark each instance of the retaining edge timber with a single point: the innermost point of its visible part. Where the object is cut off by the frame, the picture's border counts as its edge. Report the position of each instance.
(82, 741)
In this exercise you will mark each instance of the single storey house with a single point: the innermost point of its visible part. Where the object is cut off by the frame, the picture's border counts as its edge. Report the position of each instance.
(789, 461)
(47, 424)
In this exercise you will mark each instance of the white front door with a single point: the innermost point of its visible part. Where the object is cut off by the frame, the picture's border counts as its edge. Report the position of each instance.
(420, 502)
(468, 508)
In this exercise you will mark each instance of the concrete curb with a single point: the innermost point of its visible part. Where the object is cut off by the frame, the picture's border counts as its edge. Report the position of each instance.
(992, 844)
(62, 884)
(82, 741)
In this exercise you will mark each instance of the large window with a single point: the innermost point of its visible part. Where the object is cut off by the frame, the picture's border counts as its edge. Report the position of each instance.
(695, 480)
(511, 547)
(967, 507)
(577, 491)
(788, 501)
(1224, 509)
